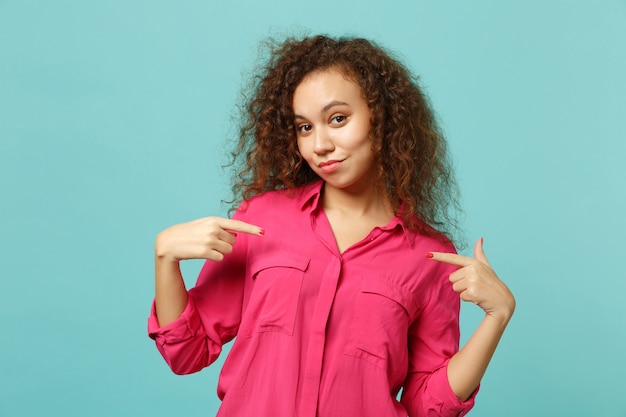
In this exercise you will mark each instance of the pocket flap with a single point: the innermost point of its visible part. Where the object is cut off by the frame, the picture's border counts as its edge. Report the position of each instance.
(393, 292)
(279, 260)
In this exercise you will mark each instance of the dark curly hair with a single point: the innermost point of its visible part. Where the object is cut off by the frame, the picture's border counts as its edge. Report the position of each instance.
(414, 166)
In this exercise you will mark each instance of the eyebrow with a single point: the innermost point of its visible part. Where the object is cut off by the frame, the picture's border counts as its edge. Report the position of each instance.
(325, 108)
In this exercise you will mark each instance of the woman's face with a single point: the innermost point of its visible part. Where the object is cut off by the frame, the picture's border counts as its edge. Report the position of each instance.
(332, 122)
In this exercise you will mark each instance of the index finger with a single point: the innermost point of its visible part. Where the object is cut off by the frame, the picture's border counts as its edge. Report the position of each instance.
(450, 258)
(243, 227)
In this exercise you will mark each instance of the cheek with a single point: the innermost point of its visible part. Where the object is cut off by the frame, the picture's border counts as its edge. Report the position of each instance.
(302, 149)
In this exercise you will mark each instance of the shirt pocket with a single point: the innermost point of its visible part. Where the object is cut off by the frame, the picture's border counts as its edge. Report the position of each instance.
(378, 330)
(273, 302)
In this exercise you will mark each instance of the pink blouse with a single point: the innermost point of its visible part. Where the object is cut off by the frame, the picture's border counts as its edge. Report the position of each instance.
(318, 332)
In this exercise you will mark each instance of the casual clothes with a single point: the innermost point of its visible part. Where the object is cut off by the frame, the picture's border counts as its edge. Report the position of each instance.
(319, 333)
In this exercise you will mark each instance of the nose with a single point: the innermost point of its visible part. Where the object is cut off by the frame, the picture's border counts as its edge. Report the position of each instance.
(322, 142)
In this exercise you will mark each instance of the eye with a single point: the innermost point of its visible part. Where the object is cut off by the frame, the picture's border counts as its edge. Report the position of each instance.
(338, 120)
(303, 128)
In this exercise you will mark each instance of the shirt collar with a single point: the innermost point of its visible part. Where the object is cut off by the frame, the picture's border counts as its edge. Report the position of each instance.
(309, 195)
(309, 198)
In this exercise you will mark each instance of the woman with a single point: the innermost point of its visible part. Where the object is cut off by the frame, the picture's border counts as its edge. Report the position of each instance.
(337, 274)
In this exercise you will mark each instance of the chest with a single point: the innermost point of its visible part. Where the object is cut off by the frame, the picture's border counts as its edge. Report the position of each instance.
(349, 230)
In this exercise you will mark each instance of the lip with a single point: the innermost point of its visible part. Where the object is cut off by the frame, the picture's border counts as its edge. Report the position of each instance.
(329, 166)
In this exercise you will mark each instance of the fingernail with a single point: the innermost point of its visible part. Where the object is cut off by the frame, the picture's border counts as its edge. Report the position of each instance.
(429, 255)
(262, 232)
(482, 241)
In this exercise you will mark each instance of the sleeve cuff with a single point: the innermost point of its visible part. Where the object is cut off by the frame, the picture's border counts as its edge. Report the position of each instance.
(181, 329)
(439, 387)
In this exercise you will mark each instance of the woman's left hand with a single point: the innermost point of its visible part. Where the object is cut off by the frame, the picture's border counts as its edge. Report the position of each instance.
(477, 282)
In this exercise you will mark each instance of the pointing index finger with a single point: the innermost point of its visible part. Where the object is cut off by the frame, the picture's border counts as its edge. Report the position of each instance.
(243, 227)
(450, 258)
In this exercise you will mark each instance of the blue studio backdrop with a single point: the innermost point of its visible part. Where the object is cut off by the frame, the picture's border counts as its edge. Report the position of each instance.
(114, 120)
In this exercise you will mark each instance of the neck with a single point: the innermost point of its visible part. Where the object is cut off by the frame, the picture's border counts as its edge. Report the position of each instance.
(371, 201)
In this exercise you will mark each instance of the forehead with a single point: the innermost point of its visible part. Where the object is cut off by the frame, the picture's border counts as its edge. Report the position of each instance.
(322, 86)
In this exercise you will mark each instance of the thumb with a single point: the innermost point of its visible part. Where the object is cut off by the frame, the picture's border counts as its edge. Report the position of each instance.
(479, 253)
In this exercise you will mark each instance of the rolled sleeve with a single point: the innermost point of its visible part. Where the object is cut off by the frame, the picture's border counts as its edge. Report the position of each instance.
(182, 343)
(441, 394)
(430, 395)
(183, 328)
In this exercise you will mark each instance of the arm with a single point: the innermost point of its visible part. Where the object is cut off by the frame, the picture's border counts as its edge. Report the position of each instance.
(468, 365)
(170, 291)
(476, 282)
(209, 238)
(433, 341)
(190, 327)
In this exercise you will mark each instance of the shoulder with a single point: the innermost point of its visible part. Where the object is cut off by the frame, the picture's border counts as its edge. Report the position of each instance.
(285, 202)
(429, 272)
(427, 238)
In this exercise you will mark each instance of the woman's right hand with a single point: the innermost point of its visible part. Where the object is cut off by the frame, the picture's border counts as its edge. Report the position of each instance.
(207, 238)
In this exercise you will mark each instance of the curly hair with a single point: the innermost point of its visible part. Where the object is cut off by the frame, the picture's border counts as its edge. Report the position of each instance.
(410, 148)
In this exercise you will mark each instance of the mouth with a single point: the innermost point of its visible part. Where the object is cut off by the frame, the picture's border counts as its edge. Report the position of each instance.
(329, 166)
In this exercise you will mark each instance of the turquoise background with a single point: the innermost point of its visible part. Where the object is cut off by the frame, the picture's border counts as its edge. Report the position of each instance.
(113, 119)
